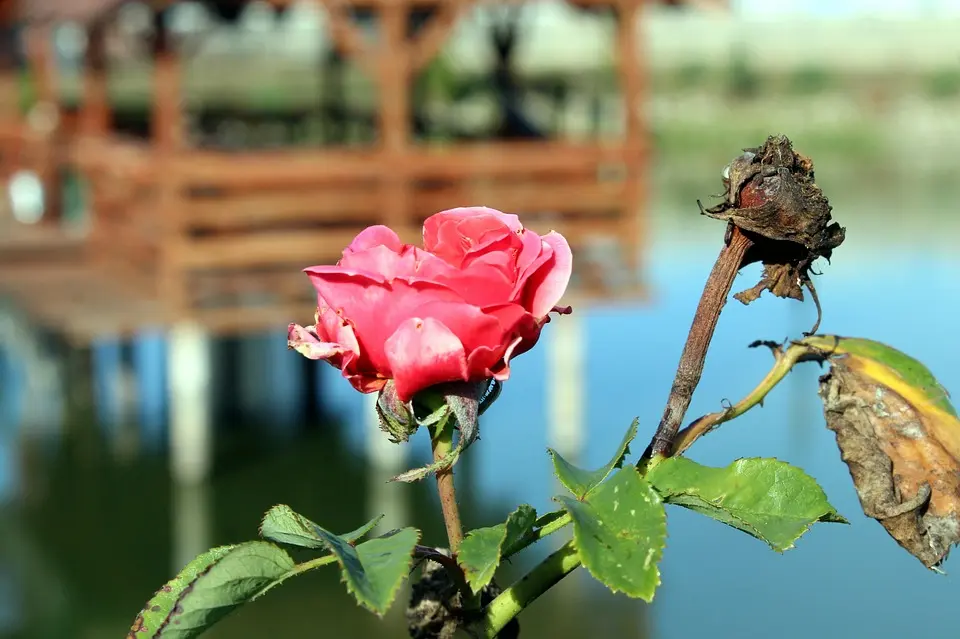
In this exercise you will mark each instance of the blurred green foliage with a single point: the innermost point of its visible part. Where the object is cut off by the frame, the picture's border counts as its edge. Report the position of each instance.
(742, 79)
(944, 83)
(809, 80)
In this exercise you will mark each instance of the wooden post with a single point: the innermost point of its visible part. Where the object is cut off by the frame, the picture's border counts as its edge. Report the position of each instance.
(167, 136)
(393, 63)
(632, 85)
(95, 101)
(94, 121)
(44, 119)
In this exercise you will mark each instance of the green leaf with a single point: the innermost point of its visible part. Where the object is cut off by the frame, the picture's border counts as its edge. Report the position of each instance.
(209, 588)
(895, 369)
(620, 530)
(766, 498)
(374, 569)
(579, 481)
(481, 549)
(282, 524)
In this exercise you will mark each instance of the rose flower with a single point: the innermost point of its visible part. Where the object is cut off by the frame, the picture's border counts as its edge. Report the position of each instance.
(459, 309)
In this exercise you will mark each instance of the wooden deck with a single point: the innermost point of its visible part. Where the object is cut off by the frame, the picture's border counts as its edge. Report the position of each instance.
(177, 233)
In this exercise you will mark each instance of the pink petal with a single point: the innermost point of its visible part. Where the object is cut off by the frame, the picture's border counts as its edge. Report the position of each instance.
(422, 353)
(365, 383)
(479, 287)
(472, 326)
(547, 284)
(532, 248)
(381, 260)
(376, 308)
(453, 233)
(373, 236)
(502, 373)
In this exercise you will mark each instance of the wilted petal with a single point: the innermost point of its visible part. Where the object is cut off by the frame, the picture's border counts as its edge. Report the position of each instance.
(305, 341)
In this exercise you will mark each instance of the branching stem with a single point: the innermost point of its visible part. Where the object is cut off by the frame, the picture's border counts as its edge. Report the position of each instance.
(712, 301)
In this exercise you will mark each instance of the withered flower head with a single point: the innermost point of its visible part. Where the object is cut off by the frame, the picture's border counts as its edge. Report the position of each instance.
(771, 196)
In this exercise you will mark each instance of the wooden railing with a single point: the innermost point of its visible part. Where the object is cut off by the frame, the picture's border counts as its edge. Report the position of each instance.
(220, 237)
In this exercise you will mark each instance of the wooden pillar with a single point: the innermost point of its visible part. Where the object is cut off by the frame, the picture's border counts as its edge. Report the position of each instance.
(9, 88)
(94, 121)
(43, 120)
(393, 64)
(95, 101)
(167, 134)
(632, 86)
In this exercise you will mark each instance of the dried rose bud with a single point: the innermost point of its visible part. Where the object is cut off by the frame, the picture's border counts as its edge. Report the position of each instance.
(772, 197)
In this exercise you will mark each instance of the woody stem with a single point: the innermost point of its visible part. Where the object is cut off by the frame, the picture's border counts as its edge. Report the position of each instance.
(442, 443)
(694, 354)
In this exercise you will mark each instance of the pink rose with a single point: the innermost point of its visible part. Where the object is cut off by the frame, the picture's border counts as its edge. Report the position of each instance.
(475, 296)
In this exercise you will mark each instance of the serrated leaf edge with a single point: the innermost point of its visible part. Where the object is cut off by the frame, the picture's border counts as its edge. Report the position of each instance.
(655, 558)
(352, 536)
(623, 449)
(503, 539)
(188, 588)
(392, 595)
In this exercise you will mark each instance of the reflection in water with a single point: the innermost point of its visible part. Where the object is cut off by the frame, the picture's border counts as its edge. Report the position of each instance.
(386, 461)
(190, 518)
(82, 550)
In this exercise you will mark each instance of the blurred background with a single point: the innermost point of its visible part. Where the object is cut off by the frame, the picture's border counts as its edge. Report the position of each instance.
(169, 167)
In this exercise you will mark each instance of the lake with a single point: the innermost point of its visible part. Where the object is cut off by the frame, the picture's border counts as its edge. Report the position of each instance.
(95, 524)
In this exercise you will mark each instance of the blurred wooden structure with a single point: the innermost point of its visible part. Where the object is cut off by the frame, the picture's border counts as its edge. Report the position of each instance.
(178, 233)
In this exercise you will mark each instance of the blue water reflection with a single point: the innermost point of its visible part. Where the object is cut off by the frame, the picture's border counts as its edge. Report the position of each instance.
(848, 581)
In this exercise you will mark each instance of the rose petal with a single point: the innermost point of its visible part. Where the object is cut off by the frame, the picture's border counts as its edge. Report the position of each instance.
(366, 383)
(547, 284)
(454, 233)
(422, 353)
(382, 260)
(480, 287)
(375, 308)
(531, 248)
(374, 236)
(472, 326)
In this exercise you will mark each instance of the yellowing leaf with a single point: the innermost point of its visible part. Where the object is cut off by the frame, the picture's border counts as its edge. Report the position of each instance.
(900, 438)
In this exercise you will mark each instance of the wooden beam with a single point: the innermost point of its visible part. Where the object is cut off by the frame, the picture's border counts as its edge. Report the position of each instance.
(310, 206)
(263, 249)
(287, 169)
(281, 168)
(360, 203)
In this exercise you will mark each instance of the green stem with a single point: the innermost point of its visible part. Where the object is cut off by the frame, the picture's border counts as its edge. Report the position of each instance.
(442, 442)
(514, 599)
(299, 569)
(553, 522)
(785, 360)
